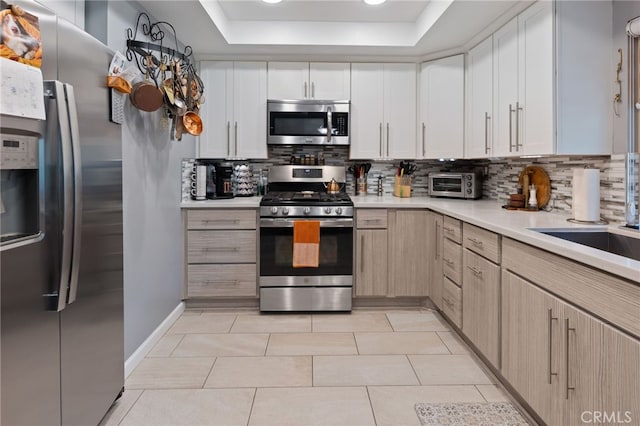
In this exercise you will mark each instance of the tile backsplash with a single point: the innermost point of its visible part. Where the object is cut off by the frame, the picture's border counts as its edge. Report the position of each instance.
(500, 180)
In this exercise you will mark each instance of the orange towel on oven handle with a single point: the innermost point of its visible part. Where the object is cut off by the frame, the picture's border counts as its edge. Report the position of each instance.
(306, 244)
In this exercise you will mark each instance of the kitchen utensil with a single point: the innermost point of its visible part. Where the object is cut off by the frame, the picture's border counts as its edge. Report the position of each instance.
(145, 95)
(333, 187)
(538, 177)
(192, 123)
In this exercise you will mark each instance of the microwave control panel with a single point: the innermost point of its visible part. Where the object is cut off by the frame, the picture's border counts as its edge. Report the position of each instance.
(18, 152)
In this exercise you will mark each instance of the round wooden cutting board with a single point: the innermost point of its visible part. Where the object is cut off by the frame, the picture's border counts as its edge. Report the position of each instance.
(538, 177)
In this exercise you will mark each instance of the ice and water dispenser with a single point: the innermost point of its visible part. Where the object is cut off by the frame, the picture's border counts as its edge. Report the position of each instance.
(19, 188)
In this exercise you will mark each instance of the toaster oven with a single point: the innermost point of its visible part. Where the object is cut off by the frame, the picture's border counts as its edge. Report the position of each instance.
(455, 185)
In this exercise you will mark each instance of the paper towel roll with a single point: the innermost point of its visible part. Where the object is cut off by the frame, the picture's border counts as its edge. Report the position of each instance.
(586, 194)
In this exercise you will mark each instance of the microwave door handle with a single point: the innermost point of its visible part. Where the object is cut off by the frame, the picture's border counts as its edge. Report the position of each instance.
(77, 191)
(56, 90)
(329, 129)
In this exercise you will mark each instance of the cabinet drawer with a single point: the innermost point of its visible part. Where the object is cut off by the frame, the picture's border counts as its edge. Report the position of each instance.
(221, 247)
(483, 242)
(222, 219)
(371, 218)
(452, 302)
(452, 229)
(452, 261)
(221, 280)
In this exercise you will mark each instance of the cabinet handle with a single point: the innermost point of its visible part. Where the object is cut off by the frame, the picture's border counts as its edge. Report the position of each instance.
(424, 149)
(511, 110)
(313, 90)
(566, 350)
(220, 249)
(361, 253)
(235, 136)
(475, 271)
(221, 220)
(476, 242)
(518, 108)
(486, 132)
(305, 89)
(232, 282)
(448, 229)
(372, 220)
(228, 138)
(380, 133)
(448, 261)
(387, 140)
(437, 232)
(550, 318)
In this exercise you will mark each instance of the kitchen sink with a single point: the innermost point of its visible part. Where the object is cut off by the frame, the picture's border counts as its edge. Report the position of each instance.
(619, 244)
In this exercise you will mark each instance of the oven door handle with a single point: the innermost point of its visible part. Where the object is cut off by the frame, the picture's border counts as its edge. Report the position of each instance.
(324, 223)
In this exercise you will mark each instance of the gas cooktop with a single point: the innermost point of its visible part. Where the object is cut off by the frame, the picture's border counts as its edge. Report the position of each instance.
(306, 197)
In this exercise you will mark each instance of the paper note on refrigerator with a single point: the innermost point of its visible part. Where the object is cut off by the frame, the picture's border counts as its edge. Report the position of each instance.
(21, 92)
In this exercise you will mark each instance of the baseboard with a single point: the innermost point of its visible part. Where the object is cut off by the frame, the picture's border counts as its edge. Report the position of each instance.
(136, 357)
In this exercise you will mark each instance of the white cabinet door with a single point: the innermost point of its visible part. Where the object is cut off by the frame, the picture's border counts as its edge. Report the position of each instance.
(330, 80)
(250, 110)
(441, 108)
(479, 119)
(366, 111)
(215, 141)
(288, 80)
(535, 82)
(505, 89)
(399, 127)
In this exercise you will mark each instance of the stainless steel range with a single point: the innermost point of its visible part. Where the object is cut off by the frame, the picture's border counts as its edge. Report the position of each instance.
(299, 193)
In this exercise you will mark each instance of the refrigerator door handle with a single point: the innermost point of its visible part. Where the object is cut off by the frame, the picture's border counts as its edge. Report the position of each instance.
(57, 91)
(77, 191)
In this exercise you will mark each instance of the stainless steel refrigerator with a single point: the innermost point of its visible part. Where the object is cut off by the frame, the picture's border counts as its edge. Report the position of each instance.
(62, 345)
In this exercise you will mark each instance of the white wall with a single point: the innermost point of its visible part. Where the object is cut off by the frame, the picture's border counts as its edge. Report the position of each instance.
(623, 11)
(153, 257)
(71, 10)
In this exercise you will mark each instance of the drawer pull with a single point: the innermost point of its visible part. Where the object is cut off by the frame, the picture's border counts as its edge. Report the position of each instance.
(372, 220)
(476, 242)
(449, 229)
(232, 282)
(475, 271)
(220, 249)
(448, 261)
(221, 220)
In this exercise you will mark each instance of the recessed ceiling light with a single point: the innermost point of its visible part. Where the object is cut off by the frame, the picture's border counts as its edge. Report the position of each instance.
(373, 2)
(272, 1)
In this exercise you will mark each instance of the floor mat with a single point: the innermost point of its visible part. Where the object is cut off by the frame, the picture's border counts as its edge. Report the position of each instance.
(469, 413)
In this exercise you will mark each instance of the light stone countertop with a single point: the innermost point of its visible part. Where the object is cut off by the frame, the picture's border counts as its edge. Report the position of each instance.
(225, 203)
(517, 225)
(490, 215)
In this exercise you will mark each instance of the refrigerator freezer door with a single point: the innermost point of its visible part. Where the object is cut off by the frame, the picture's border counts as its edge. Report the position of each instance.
(92, 330)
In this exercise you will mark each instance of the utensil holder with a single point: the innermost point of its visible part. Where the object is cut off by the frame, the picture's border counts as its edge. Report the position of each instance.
(402, 186)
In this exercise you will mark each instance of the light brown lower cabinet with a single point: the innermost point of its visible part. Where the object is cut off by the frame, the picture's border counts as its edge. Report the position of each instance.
(481, 304)
(408, 242)
(569, 366)
(371, 262)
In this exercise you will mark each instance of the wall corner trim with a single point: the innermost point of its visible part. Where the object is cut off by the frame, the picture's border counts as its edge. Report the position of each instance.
(138, 355)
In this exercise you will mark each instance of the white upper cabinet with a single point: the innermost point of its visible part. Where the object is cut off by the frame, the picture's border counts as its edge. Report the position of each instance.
(479, 118)
(304, 80)
(551, 90)
(234, 114)
(383, 111)
(441, 111)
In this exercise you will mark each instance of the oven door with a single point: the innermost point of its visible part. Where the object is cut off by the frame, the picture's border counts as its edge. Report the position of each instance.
(276, 254)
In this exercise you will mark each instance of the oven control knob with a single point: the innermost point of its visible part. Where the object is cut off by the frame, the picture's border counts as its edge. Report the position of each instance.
(285, 211)
(469, 184)
(338, 210)
(469, 191)
(327, 210)
(274, 211)
(307, 210)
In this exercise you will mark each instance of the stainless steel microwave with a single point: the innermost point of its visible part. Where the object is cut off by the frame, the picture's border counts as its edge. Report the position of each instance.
(455, 185)
(308, 122)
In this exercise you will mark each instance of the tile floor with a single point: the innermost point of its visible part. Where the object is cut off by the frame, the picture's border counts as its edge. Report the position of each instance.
(242, 368)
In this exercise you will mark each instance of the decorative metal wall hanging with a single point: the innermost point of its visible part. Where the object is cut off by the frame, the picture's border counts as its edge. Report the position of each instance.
(172, 71)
